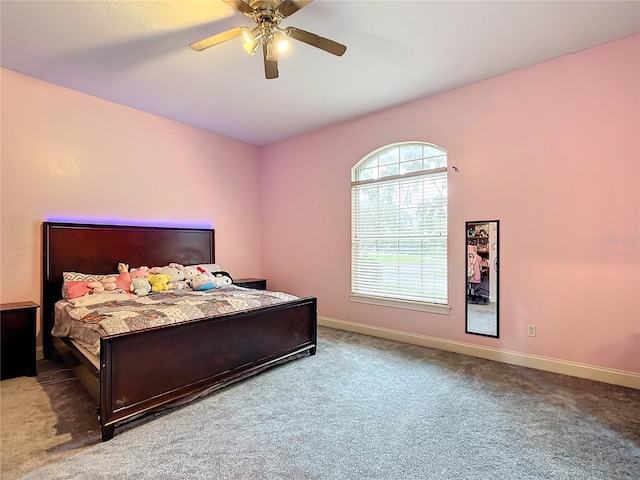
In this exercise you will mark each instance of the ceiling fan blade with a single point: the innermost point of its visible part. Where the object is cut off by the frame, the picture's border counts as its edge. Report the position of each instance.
(289, 7)
(216, 39)
(316, 41)
(270, 64)
(241, 6)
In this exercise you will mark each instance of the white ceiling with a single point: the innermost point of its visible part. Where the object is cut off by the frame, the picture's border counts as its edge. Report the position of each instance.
(136, 53)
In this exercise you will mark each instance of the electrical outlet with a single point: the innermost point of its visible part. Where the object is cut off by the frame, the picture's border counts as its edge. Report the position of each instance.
(531, 330)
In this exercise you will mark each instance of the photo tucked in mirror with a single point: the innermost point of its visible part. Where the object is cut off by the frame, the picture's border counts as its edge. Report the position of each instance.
(482, 278)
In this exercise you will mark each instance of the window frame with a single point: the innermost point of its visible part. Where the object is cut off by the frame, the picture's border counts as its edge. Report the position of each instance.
(390, 301)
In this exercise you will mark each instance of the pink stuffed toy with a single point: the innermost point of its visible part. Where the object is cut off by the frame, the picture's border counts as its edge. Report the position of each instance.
(106, 284)
(110, 284)
(142, 272)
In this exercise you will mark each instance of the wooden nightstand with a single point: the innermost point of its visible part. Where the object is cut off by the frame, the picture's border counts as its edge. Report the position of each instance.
(18, 339)
(255, 283)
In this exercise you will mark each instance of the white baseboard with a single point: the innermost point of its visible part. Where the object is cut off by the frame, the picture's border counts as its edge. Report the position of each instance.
(39, 353)
(600, 374)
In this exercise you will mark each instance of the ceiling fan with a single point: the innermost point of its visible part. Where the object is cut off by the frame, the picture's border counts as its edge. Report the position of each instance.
(268, 14)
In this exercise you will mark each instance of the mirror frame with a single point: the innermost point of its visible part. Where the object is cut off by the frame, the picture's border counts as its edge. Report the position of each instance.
(495, 267)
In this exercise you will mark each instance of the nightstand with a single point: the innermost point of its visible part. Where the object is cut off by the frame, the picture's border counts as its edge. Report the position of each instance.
(18, 339)
(255, 283)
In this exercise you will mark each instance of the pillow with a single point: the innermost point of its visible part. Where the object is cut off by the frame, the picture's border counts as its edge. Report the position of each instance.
(85, 277)
(80, 277)
(76, 284)
(74, 289)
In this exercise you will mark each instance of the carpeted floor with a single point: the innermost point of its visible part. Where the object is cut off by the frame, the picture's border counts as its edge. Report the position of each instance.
(362, 408)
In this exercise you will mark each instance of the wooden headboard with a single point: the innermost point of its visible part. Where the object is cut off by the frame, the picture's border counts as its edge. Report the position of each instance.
(90, 248)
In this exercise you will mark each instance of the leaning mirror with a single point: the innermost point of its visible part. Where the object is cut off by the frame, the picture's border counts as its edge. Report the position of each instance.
(482, 310)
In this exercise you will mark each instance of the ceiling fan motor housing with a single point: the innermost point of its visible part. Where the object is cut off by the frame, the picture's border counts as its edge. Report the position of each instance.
(266, 11)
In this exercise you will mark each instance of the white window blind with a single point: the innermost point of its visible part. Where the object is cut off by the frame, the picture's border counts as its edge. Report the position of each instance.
(399, 224)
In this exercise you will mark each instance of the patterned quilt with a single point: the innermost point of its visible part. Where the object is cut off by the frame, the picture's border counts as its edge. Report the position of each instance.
(175, 306)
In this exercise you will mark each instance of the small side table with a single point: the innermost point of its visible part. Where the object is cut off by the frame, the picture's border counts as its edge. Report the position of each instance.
(255, 283)
(18, 339)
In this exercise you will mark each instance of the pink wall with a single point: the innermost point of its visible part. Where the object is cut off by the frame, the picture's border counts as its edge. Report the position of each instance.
(69, 155)
(552, 151)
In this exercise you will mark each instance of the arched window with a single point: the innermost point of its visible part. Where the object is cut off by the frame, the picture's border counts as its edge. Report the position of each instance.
(399, 227)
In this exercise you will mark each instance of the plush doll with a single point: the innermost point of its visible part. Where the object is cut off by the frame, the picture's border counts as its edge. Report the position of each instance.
(158, 282)
(106, 284)
(123, 267)
(221, 280)
(142, 272)
(140, 286)
(177, 266)
(179, 285)
(202, 281)
(174, 273)
(189, 274)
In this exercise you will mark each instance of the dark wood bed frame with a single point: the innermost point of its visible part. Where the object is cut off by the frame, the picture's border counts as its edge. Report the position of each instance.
(145, 370)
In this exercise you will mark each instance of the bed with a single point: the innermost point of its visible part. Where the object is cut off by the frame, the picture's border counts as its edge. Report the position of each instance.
(145, 370)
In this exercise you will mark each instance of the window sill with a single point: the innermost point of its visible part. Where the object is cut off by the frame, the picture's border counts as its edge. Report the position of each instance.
(397, 303)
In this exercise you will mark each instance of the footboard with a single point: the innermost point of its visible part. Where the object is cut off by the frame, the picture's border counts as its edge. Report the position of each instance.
(158, 366)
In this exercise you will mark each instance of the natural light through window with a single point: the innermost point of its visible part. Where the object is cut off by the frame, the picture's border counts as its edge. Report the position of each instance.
(399, 227)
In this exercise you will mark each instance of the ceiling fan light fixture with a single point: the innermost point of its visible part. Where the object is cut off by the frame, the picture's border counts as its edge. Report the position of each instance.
(251, 46)
(251, 41)
(282, 43)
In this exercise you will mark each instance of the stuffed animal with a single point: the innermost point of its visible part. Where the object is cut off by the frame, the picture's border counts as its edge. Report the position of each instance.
(221, 279)
(142, 272)
(158, 282)
(189, 274)
(174, 273)
(179, 285)
(202, 281)
(140, 286)
(106, 284)
(123, 267)
(177, 266)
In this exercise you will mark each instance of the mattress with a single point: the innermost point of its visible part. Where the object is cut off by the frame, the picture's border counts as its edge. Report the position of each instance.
(87, 320)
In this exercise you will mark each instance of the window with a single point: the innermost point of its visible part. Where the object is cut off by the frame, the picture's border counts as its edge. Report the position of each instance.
(399, 227)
